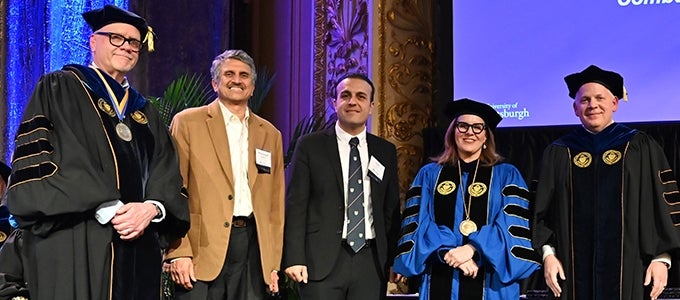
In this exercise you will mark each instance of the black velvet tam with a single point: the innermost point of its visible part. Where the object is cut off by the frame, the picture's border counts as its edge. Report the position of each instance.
(611, 80)
(467, 106)
(98, 18)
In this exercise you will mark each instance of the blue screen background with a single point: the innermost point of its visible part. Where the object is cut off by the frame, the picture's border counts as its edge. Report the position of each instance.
(515, 54)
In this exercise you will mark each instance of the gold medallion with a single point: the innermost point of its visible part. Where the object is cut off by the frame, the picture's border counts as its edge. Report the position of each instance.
(105, 107)
(3, 236)
(583, 159)
(477, 189)
(123, 132)
(139, 117)
(467, 226)
(611, 157)
(446, 187)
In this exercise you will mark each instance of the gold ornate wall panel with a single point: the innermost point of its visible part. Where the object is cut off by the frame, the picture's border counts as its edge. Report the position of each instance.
(403, 70)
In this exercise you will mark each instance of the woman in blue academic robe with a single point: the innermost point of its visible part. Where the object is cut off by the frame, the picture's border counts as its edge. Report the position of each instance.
(465, 227)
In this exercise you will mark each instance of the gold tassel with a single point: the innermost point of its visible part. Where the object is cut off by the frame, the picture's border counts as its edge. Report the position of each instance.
(149, 38)
(625, 94)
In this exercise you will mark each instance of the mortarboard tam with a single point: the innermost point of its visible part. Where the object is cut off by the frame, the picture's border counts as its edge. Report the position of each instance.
(98, 18)
(467, 106)
(611, 80)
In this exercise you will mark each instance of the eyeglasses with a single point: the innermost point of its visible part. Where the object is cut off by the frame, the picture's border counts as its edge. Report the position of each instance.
(463, 127)
(118, 40)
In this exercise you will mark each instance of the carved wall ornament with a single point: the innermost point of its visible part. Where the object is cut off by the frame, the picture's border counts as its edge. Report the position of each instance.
(405, 120)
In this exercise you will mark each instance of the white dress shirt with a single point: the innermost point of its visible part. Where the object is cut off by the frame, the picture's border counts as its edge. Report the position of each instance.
(237, 134)
(343, 148)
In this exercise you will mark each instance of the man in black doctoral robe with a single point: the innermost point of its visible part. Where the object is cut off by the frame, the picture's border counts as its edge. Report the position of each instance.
(95, 184)
(606, 209)
(12, 284)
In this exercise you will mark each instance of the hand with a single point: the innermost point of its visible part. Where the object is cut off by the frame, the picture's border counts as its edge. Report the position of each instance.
(182, 272)
(456, 256)
(298, 273)
(658, 272)
(469, 268)
(274, 283)
(395, 277)
(132, 219)
(551, 268)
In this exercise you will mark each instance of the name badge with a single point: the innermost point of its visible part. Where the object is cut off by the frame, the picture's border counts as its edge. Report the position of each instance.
(263, 161)
(376, 169)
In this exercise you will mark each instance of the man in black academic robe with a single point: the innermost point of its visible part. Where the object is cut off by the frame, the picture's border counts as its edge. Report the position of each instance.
(606, 208)
(95, 184)
(12, 283)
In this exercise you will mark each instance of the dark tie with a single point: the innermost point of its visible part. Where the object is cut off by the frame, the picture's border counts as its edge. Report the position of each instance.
(355, 199)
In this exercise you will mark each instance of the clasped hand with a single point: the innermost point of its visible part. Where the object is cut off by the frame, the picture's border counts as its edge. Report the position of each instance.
(132, 219)
(461, 258)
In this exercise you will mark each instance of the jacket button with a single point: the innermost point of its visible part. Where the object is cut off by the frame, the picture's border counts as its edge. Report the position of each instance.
(226, 224)
(230, 197)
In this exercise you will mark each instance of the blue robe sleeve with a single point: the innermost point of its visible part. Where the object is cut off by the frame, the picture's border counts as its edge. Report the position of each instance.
(505, 243)
(420, 236)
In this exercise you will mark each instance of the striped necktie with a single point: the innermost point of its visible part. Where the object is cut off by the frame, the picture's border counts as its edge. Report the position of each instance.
(355, 199)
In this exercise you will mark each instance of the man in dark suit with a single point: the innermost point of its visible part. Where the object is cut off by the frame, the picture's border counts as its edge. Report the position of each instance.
(342, 204)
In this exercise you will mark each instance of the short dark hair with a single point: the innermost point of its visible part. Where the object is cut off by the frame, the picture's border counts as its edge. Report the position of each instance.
(361, 76)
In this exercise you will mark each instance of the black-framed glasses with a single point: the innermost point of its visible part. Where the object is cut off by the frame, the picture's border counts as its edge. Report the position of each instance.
(463, 127)
(118, 40)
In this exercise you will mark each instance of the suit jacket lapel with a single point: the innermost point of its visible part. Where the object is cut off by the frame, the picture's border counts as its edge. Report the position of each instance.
(256, 139)
(374, 153)
(331, 149)
(218, 135)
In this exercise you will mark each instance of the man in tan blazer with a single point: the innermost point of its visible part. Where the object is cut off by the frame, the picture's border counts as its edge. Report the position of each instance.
(232, 164)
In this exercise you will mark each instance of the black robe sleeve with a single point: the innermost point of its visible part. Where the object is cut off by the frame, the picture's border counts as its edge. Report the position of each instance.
(164, 173)
(62, 166)
(551, 186)
(659, 204)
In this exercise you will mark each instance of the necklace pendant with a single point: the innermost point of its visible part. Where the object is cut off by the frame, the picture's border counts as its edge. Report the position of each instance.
(123, 132)
(467, 226)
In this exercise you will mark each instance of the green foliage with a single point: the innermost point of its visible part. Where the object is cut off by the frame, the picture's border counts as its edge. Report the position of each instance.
(292, 289)
(263, 83)
(306, 125)
(188, 90)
